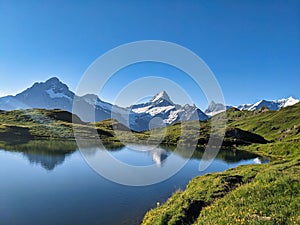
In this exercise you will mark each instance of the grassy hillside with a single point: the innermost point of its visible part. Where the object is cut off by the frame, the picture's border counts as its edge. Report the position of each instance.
(281, 128)
(252, 194)
(282, 125)
(21, 126)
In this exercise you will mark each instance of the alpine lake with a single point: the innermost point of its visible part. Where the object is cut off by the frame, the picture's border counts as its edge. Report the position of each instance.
(45, 182)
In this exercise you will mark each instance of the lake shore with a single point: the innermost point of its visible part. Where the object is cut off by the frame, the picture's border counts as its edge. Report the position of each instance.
(247, 194)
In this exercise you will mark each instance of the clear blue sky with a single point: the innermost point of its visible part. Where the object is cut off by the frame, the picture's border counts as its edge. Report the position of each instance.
(252, 47)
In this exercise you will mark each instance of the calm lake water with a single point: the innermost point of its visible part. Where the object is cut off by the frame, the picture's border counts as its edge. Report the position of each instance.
(41, 186)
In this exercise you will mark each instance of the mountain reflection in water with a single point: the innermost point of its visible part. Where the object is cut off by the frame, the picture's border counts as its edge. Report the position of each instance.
(47, 161)
(75, 194)
(159, 156)
(50, 154)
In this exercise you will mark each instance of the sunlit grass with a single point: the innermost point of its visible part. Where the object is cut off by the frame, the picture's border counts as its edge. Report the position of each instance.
(265, 194)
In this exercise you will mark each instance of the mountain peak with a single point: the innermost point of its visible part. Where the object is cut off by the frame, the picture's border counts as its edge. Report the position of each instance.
(212, 102)
(291, 98)
(161, 96)
(55, 84)
(53, 80)
(215, 108)
(290, 101)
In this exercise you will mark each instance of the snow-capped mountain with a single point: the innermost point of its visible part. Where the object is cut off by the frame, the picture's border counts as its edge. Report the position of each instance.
(161, 107)
(159, 111)
(48, 95)
(216, 108)
(272, 105)
(53, 94)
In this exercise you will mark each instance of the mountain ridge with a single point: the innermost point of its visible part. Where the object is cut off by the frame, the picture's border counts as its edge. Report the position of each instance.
(54, 94)
(274, 105)
(270, 104)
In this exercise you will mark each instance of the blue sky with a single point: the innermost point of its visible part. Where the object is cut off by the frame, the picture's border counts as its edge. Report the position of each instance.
(252, 47)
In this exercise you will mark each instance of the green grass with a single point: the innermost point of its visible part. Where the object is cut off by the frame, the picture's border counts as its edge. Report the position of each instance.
(47, 124)
(272, 197)
(252, 194)
(282, 125)
(186, 205)
(276, 150)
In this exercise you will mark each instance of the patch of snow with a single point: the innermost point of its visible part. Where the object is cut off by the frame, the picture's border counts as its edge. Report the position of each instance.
(290, 101)
(172, 116)
(244, 106)
(255, 106)
(156, 110)
(141, 110)
(210, 114)
(153, 110)
(53, 94)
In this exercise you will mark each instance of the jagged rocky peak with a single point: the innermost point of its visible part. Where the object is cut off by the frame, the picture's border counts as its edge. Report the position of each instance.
(162, 106)
(55, 83)
(213, 107)
(161, 96)
(51, 84)
(53, 80)
(189, 107)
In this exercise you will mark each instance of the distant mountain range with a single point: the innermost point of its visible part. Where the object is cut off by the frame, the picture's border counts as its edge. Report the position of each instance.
(53, 94)
(215, 108)
(272, 105)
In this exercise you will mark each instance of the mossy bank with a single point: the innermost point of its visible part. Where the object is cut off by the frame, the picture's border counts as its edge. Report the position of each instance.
(251, 194)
